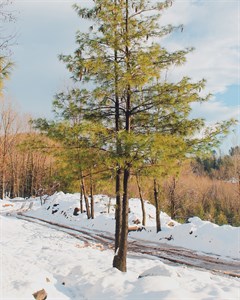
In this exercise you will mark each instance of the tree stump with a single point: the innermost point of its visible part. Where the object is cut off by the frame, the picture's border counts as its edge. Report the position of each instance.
(76, 211)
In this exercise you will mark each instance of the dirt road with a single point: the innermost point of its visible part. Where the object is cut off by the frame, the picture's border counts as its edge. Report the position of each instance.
(171, 255)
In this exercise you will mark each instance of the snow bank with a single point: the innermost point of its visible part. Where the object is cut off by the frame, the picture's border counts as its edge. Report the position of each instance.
(198, 235)
(8, 206)
(36, 257)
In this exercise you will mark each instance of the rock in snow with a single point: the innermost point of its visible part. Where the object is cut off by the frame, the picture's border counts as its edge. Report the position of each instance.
(40, 295)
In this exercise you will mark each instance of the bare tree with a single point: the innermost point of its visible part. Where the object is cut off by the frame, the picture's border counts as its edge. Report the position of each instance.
(9, 127)
(141, 199)
(235, 154)
(7, 15)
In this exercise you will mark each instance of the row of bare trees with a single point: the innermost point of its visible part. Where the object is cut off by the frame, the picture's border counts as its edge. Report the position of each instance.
(189, 194)
(182, 195)
(24, 170)
(211, 199)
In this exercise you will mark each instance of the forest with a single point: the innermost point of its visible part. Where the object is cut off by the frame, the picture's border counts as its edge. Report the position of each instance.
(206, 187)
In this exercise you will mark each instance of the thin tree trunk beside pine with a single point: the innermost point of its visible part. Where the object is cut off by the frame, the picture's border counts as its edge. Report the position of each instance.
(142, 202)
(156, 199)
(91, 192)
(173, 198)
(85, 198)
(81, 198)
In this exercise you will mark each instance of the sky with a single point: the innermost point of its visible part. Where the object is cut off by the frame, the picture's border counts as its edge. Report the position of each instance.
(46, 29)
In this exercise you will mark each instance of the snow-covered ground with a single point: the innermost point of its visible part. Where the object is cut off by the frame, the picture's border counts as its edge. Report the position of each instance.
(35, 257)
(197, 235)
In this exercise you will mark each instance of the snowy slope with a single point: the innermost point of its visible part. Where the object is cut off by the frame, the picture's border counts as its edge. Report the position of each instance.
(35, 257)
(197, 235)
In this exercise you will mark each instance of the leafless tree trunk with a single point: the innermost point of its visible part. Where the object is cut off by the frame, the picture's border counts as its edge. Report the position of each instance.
(7, 15)
(156, 199)
(142, 201)
(91, 192)
(85, 197)
(8, 131)
(81, 197)
(172, 197)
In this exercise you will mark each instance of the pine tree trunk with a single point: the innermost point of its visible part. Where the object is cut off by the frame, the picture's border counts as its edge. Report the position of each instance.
(118, 207)
(156, 192)
(120, 259)
(142, 202)
(118, 210)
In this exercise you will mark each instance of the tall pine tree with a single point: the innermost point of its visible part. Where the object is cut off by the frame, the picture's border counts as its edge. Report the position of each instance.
(129, 109)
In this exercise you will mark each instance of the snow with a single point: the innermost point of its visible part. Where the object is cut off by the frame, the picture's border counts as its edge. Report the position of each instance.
(34, 257)
(198, 235)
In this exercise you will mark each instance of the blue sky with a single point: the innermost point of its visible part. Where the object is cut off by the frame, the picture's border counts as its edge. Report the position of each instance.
(46, 29)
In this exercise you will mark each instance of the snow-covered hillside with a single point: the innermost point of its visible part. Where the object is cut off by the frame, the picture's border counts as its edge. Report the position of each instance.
(35, 257)
(196, 235)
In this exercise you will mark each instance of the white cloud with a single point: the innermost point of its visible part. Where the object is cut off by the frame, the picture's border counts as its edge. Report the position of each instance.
(215, 111)
(47, 28)
(212, 28)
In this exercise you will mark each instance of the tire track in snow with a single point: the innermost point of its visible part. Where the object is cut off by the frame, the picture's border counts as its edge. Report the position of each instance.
(173, 255)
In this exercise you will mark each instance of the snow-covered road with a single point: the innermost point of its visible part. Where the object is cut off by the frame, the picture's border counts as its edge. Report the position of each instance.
(163, 251)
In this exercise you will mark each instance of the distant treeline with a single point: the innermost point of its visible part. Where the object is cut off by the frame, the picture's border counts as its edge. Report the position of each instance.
(31, 165)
